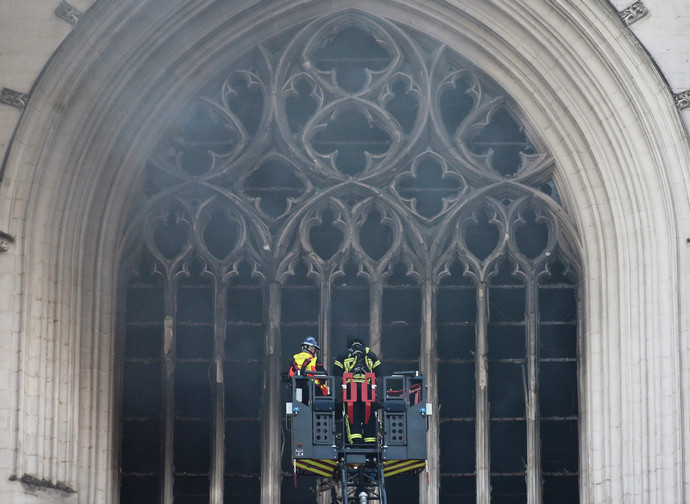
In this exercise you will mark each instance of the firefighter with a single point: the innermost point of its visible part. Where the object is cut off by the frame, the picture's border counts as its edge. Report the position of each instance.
(305, 363)
(358, 360)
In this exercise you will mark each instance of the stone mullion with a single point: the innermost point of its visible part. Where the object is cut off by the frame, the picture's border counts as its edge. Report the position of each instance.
(170, 306)
(375, 323)
(325, 343)
(534, 487)
(325, 296)
(429, 366)
(270, 404)
(483, 459)
(218, 433)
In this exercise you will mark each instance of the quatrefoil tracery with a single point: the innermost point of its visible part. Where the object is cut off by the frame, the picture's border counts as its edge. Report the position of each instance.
(351, 138)
(429, 188)
(350, 54)
(355, 100)
(275, 185)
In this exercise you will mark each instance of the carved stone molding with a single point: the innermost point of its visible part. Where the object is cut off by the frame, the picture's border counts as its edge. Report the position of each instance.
(633, 13)
(5, 242)
(14, 98)
(682, 99)
(68, 13)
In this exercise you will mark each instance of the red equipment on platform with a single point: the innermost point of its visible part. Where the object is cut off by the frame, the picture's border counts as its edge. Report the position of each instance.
(350, 393)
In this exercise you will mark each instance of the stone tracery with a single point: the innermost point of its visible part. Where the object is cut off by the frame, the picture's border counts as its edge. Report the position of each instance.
(409, 159)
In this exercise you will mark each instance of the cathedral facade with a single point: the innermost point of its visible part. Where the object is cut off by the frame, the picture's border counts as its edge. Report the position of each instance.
(492, 193)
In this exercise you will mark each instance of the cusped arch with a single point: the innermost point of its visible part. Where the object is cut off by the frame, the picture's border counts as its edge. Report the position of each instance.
(353, 202)
(189, 213)
(503, 205)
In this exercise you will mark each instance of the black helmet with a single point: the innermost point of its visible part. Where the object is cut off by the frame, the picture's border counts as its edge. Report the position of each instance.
(353, 341)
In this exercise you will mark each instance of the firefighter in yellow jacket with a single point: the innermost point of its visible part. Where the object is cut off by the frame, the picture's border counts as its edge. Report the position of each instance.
(306, 363)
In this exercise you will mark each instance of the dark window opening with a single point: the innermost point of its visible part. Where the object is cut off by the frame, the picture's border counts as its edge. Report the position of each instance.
(456, 311)
(326, 238)
(403, 105)
(401, 311)
(274, 183)
(371, 203)
(350, 138)
(531, 236)
(350, 308)
(457, 101)
(245, 99)
(504, 142)
(481, 235)
(429, 188)
(350, 54)
(375, 236)
(300, 104)
(207, 133)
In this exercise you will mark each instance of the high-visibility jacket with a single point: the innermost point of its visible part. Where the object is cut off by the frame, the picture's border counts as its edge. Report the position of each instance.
(307, 364)
(303, 362)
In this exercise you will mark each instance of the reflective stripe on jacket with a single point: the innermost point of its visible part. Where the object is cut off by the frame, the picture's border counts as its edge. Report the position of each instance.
(348, 363)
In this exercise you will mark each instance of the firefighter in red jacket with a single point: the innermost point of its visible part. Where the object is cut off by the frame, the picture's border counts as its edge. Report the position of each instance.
(305, 363)
(359, 360)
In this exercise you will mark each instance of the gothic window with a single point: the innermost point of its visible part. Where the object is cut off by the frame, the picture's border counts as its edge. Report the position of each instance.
(350, 177)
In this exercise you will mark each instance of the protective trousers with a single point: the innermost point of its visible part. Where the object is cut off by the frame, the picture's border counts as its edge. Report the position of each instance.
(359, 428)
